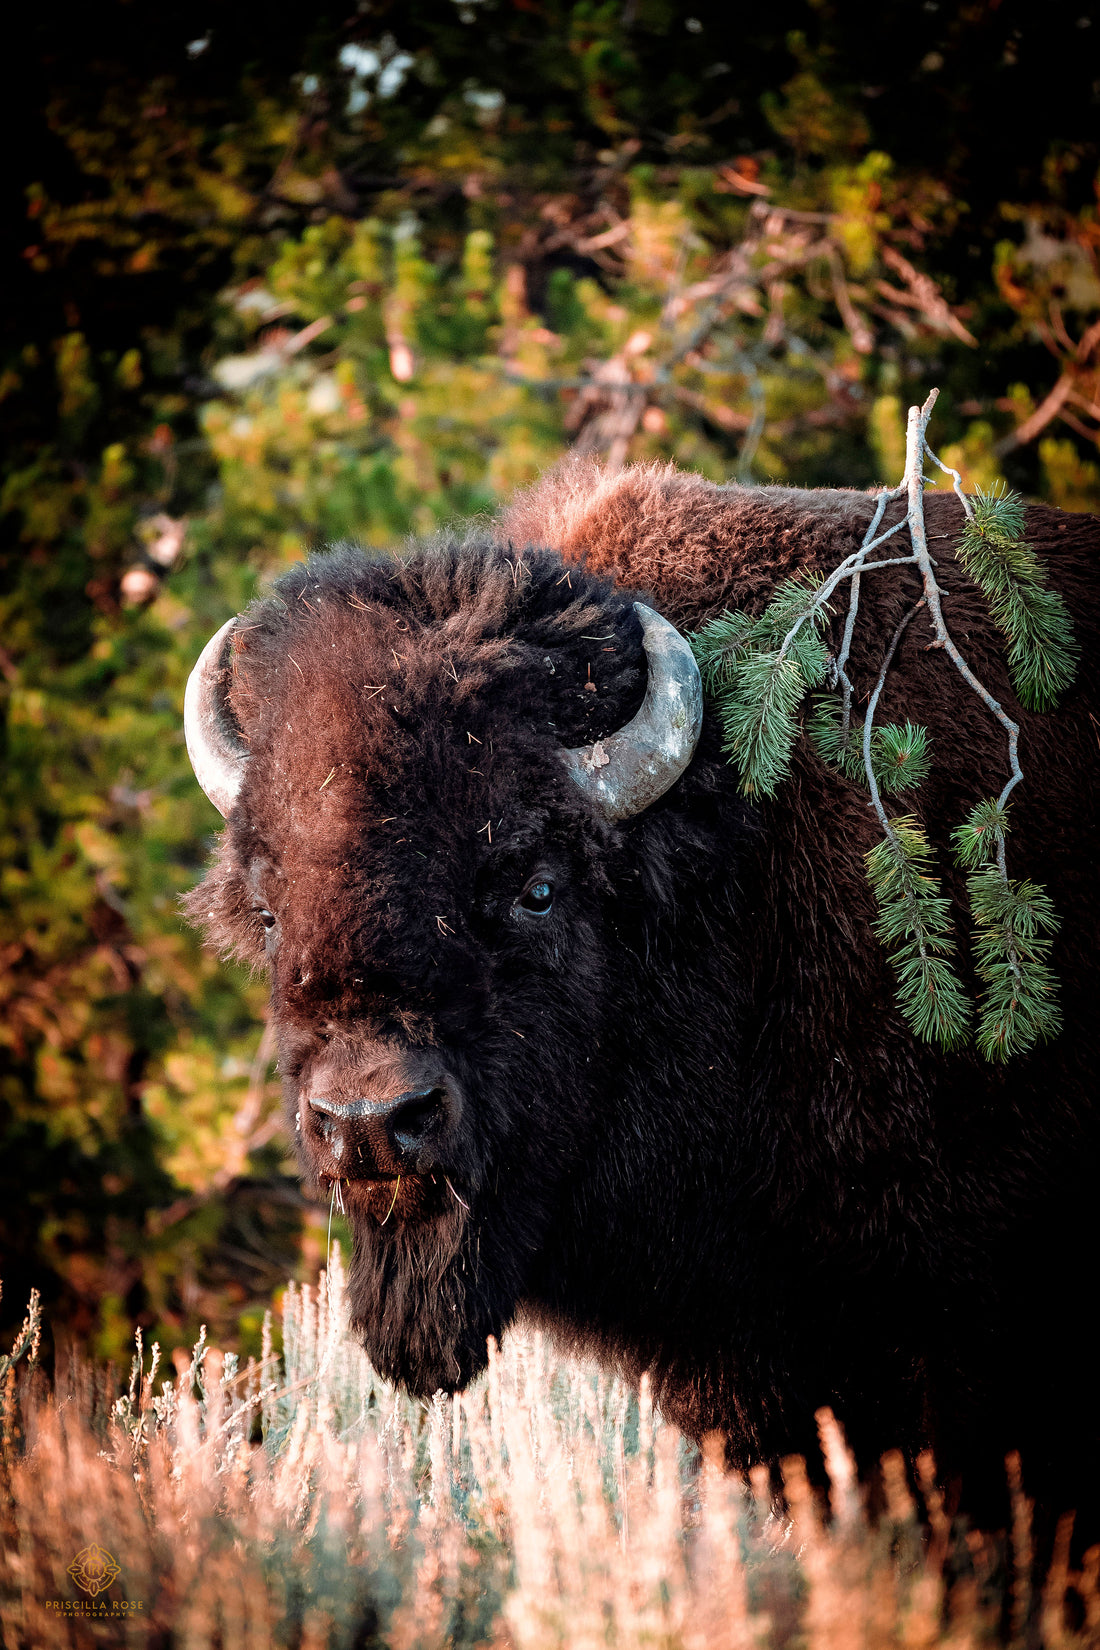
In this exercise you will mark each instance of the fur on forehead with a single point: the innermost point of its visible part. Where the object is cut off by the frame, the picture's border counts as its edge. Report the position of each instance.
(466, 638)
(503, 637)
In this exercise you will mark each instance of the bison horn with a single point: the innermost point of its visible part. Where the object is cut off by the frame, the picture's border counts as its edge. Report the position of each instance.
(213, 742)
(627, 771)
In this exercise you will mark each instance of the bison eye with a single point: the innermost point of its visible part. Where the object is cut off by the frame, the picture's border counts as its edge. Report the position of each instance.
(267, 918)
(538, 900)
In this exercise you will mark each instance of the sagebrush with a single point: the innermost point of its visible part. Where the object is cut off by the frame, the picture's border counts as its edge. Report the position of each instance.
(301, 1501)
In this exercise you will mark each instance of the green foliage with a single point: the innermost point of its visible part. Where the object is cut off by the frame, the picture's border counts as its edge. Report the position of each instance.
(914, 925)
(979, 839)
(716, 647)
(825, 726)
(758, 671)
(1015, 922)
(1041, 653)
(759, 723)
(899, 755)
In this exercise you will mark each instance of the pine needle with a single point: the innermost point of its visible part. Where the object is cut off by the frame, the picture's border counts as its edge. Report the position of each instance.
(980, 839)
(1015, 924)
(758, 720)
(914, 926)
(757, 671)
(1042, 652)
(825, 727)
(899, 755)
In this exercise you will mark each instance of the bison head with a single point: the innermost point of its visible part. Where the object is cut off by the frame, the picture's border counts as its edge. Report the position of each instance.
(433, 771)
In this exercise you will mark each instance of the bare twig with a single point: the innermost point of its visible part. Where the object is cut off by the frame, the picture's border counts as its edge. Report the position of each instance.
(956, 481)
(923, 295)
(857, 328)
(915, 448)
(853, 605)
(868, 721)
(751, 278)
(850, 567)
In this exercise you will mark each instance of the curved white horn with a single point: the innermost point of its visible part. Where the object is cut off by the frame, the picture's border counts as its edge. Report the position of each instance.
(627, 771)
(213, 743)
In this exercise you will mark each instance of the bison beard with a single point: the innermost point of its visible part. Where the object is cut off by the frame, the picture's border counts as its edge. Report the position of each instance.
(643, 1077)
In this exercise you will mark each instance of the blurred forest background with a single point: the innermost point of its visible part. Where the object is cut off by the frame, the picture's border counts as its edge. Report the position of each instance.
(277, 274)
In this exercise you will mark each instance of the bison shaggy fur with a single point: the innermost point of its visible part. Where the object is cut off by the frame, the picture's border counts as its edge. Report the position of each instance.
(685, 1126)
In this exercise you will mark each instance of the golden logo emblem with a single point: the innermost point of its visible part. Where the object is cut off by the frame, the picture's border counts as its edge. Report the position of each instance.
(93, 1569)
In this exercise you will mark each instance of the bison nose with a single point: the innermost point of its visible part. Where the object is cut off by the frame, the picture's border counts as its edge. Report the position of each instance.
(394, 1136)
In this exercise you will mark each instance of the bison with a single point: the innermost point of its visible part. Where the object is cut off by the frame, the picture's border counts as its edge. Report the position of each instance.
(572, 1028)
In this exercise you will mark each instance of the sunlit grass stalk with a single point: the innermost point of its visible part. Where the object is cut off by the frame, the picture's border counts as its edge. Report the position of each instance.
(548, 1505)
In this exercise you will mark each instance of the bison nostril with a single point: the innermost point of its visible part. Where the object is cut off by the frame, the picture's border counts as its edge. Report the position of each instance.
(384, 1136)
(415, 1117)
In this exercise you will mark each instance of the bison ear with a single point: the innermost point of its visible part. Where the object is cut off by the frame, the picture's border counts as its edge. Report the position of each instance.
(222, 907)
(213, 741)
(630, 769)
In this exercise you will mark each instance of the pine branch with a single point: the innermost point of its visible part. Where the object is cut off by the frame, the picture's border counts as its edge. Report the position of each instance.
(914, 922)
(915, 448)
(914, 926)
(717, 645)
(869, 540)
(758, 672)
(1015, 924)
(1042, 656)
(759, 722)
(793, 601)
(899, 755)
(1042, 653)
(840, 746)
(999, 517)
(956, 481)
(980, 840)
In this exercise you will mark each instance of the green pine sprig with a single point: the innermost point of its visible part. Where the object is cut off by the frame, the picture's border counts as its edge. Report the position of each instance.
(899, 755)
(1015, 923)
(759, 721)
(978, 841)
(1042, 654)
(758, 671)
(914, 926)
(716, 648)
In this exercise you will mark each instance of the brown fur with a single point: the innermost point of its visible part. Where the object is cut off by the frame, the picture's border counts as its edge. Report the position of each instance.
(696, 1134)
(660, 529)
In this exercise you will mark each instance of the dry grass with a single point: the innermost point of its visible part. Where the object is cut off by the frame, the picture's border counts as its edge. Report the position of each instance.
(548, 1506)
